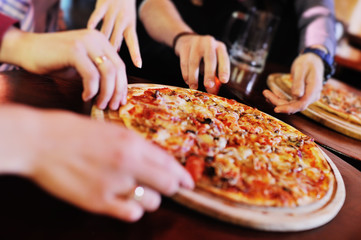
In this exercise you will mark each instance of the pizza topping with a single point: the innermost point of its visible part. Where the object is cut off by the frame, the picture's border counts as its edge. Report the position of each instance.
(230, 147)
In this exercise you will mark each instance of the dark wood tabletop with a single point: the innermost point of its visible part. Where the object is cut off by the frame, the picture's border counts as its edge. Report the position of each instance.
(27, 212)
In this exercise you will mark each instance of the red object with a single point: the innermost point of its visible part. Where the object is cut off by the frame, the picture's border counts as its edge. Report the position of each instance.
(5, 23)
(195, 167)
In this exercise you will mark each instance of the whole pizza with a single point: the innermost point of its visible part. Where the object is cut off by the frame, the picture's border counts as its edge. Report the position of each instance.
(233, 151)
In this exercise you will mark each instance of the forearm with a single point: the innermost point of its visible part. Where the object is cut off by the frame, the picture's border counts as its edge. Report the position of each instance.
(11, 46)
(162, 20)
(316, 24)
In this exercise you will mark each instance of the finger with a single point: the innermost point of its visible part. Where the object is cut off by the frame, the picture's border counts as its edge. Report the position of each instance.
(184, 59)
(163, 173)
(96, 17)
(117, 36)
(313, 87)
(280, 93)
(223, 64)
(216, 87)
(298, 83)
(273, 98)
(119, 96)
(193, 67)
(166, 183)
(124, 209)
(131, 40)
(210, 64)
(120, 91)
(291, 107)
(150, 201)
(107, 71)
(108, 24)
(89, 74)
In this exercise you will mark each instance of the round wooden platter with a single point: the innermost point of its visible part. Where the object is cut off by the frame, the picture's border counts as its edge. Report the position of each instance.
(269, 218)
(262, 218)
(318, 114)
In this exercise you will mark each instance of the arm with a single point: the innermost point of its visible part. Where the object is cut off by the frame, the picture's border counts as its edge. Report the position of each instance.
(119, 20)
(45, 53)
(77, 160)
(163, 23)
(316, 24)
(6, 23)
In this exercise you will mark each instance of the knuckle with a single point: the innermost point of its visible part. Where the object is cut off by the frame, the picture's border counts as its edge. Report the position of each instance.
(222, 46)
(209, 38)
(118, 160)
(77, 46)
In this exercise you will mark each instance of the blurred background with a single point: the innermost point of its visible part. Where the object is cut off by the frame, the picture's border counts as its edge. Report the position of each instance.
(348, 16)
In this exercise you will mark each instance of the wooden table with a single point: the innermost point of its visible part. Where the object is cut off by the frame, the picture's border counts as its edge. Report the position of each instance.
(27, 212)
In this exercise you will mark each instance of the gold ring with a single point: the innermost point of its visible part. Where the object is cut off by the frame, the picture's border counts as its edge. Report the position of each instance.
(99, 60)
(138, 193)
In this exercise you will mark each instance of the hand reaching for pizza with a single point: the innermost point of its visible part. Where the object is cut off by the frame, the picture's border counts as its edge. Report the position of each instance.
(86, 51)
(119, 20)
(93, 165)
(192, 49)
(307, 73)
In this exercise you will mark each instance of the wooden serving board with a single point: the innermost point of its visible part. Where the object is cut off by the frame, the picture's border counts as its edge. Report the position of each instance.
(268, 218)
(262, 218)
(318, 114)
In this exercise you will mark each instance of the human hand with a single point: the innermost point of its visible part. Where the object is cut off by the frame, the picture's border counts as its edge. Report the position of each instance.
(192, 49)
(119, 20)
(79, 49)
(93, 165)
(307, 74)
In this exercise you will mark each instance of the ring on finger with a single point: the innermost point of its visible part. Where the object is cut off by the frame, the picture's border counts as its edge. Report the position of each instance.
(100, 60)
(138, 193)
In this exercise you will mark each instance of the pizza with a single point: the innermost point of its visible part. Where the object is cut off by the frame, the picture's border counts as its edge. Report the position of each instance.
(343, 103)
(337, 100)
(233, 152)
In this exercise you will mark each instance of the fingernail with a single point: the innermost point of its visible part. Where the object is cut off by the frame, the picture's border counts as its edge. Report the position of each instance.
(188, 181)
(85, 97)
(138, 63)
(102, 105)
(210, 83)
(193, 86)
(114, 106)
(124, 100)
(224, 78)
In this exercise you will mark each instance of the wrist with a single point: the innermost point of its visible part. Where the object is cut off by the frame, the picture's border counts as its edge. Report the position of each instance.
(178, 37)
(18, 127)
